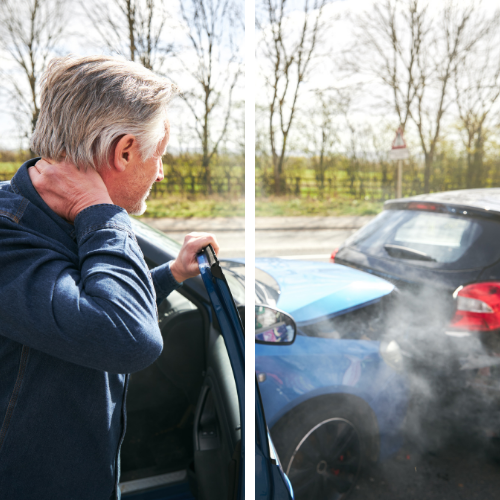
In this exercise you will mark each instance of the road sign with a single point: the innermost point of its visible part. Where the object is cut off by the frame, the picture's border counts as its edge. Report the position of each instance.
(399, 150)
(399, 141)
(399, 154)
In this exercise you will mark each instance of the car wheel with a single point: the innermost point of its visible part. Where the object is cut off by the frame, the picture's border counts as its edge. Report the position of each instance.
(322, 448)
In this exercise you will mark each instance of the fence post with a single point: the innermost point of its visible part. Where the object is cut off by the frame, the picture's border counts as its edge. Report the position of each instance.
(297, 186)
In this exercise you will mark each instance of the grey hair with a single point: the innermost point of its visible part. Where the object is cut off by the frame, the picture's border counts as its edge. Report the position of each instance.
(89, 103)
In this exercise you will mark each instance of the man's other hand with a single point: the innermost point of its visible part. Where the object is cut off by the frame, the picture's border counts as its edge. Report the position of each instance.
(186, 264)
(66, 189)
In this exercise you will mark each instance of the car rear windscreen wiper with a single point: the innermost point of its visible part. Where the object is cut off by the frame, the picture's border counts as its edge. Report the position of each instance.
(399, 252)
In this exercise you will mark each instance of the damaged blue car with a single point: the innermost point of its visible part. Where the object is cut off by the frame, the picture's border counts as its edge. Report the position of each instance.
(335, 399)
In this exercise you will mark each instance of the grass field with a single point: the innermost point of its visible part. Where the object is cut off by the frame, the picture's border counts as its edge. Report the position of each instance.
(182, 208)
(8, 168)
(178, 207)
(269, 207)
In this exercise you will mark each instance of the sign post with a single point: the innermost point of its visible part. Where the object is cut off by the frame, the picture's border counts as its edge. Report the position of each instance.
(399, 152)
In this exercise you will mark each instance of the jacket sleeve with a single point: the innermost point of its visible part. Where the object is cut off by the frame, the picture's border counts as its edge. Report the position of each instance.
(164, 282)
(97, 309)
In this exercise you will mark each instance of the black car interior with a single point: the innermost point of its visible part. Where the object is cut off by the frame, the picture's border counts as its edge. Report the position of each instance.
(182, 411)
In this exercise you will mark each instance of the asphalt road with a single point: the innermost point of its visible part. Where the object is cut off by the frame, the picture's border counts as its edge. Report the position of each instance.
(310, 244)
(311, 238)
(461, 469)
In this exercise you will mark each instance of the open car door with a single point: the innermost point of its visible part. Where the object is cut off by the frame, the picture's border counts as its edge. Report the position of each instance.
(185, 411)
(219, 424)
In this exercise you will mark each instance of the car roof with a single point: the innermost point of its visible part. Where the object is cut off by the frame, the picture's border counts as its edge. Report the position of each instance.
(487, 199)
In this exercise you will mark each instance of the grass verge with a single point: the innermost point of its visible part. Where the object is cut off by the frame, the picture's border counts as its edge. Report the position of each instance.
(283, 207)
(179, 207)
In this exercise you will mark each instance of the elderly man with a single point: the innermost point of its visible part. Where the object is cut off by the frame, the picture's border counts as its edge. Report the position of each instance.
(77, 301)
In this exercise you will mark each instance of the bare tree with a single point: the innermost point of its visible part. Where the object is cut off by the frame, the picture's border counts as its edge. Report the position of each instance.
(288, 54)
(354, 142)
(459, 31)
(389, 41)
(320, 134)
(477, 88)
(213, 62)
(414, 56)
(30, 31)
(133, 29)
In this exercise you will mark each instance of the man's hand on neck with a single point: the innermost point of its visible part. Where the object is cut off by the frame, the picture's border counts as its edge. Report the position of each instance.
(66, 189)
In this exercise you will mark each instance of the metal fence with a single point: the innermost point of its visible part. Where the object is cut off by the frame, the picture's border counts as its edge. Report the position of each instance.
(367, 188)
(189, 186)
(196, 185)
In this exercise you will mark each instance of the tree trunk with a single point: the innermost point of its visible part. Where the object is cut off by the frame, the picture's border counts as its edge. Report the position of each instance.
(428, 171)
(478, 160)
(469, 177)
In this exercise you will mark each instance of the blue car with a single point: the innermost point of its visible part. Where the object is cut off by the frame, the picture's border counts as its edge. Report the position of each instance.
(185, 412)
(336, 397)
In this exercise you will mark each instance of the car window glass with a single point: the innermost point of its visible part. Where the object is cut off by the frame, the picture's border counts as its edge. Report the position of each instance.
(444, 238)
(372, 228)
(155, 236)
(235, 277)
(267, 289)
(451, 241)
(236, 287)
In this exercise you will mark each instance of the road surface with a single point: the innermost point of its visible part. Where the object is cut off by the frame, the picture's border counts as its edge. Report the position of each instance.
(311, 238)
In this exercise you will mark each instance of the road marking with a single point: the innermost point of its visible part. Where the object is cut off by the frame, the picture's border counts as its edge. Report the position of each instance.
(305, 257)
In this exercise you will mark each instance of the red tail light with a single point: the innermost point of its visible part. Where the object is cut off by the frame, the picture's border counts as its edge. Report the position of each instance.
(421, 206)
(332, 257)
(478, 307)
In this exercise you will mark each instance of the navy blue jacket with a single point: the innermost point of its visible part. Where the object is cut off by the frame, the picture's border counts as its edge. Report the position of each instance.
(77, 313)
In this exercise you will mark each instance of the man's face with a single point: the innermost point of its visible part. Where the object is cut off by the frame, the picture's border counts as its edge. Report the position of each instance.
(146, 174)
(130, 188)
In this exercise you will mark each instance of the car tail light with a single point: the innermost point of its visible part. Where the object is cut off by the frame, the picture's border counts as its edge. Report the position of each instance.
(421, 206)
(478, 307)
(332, 257)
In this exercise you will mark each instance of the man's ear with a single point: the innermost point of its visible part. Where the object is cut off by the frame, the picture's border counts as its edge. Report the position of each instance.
(126, 152)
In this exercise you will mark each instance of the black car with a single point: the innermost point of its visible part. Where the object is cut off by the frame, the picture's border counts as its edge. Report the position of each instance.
(429, 246)
(442, 251)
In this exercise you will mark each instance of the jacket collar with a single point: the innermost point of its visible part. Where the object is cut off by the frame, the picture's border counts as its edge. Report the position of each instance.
(21, 184)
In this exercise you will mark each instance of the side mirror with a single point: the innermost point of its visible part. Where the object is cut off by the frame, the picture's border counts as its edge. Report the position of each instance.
(273, 326)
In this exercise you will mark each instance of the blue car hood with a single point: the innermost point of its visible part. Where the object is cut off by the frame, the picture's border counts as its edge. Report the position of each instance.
(311, 290)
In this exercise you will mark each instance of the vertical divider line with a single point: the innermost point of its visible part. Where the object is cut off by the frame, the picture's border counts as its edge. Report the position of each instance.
(250, 81)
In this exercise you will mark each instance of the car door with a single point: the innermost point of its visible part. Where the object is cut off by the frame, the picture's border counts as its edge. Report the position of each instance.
(219, 426)
(185, 411)
(271, 482)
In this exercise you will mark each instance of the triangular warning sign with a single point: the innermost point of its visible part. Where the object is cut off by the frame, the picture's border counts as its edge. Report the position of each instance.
(399, 142)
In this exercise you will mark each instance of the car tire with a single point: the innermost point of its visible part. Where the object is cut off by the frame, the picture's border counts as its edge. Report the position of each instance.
(324, 444)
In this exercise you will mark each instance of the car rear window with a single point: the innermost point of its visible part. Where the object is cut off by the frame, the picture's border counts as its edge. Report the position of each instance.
(430, 239)
(443, 238)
